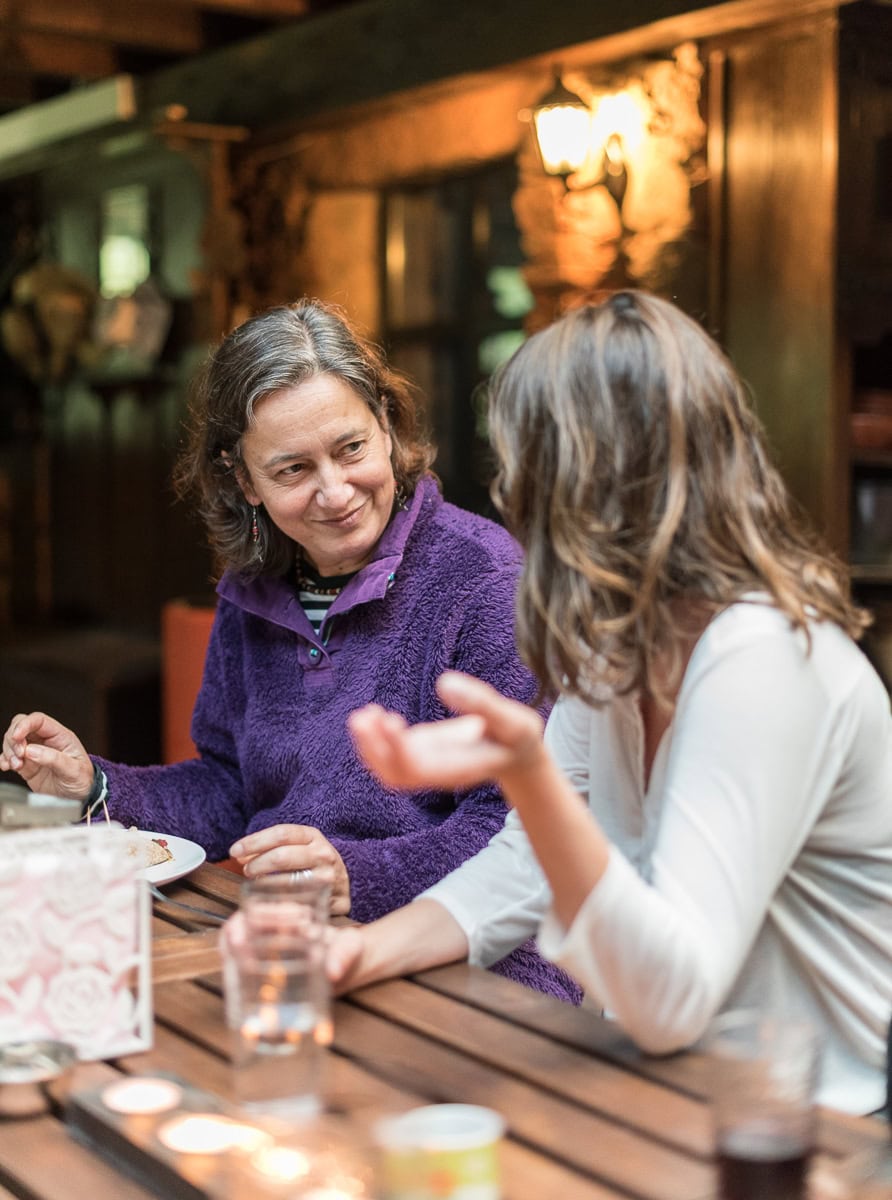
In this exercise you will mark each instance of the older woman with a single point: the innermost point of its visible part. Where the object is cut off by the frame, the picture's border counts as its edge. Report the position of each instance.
(732, 744)
(348, 580)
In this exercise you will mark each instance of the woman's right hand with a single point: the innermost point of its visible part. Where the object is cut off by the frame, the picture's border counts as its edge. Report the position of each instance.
(48, 757)
(493, 737)
(344, 957)
(413, 938)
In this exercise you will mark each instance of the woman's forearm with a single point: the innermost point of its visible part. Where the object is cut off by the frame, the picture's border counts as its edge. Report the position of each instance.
(413, 938)
(570, 846)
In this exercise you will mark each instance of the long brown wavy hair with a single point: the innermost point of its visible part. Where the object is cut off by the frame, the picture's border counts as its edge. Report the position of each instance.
(282, 348)
(635, 475)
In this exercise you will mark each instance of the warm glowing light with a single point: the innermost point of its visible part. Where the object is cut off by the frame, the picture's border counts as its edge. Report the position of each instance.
(204, 1133)
(622, 115)
(280, 1163)
(571, 133)
(142, 1096)
(329, 1193)
(564, 135)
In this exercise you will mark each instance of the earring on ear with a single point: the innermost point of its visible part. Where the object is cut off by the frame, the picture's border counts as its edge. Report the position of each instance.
(400, 498)
(257, 539)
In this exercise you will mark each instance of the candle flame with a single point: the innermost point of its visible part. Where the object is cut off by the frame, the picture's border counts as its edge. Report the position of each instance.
(142, 1096)
(206, 1133)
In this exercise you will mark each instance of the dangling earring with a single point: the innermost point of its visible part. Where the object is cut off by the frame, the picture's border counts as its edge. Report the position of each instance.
(255, 535)
(399, 496)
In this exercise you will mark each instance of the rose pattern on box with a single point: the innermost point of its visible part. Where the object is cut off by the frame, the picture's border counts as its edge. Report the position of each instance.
(74, 940)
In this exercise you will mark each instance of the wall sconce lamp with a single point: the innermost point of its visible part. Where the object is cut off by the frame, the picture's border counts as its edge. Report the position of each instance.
(590, 144)
(627, 140)
(562, 123)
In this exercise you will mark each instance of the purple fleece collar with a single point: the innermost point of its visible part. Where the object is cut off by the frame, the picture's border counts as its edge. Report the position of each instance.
(274, 599)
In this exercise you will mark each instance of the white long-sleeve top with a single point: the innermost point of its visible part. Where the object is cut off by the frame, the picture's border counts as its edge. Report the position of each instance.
(755, 869)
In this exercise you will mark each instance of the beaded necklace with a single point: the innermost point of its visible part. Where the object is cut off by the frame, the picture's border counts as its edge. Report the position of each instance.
(309, 581)
(317, 595)
(306, 584)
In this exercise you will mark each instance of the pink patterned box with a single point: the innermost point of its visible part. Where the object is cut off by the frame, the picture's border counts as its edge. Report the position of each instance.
(74, 940)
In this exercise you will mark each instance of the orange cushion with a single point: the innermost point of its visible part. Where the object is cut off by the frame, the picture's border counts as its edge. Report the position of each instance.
(185, 630)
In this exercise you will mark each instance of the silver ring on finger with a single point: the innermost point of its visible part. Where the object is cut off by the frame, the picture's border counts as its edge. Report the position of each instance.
(302, 875)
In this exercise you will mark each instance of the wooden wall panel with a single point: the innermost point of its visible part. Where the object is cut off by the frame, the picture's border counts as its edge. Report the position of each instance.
(779, 252)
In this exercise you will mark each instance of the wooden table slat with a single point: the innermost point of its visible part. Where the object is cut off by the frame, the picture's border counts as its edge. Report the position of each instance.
(38, 1157)
(175, 1055)
(215, 883)
(351, 1088)
(562, 1130)
(185, 955)
(580, 1026)
(838, 1133)
(576, 1140)
(194, 1011)
(555, 1066)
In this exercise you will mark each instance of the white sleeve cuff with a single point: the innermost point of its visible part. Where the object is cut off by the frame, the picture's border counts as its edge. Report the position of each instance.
(573, 948)
(498, 897)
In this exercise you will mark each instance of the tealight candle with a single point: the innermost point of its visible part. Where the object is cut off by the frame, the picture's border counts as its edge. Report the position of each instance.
(331, 1193)
(206, 1133)
(142, 1096)
(280, 1164)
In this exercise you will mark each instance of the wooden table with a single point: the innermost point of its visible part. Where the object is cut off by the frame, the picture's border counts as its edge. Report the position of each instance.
(589, 1117)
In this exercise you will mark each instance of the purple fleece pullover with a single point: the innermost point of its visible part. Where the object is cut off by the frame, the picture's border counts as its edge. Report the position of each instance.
(270, 718)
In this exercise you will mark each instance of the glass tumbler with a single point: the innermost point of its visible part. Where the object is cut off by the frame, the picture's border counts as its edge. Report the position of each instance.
(763, 1074)
(277, 995)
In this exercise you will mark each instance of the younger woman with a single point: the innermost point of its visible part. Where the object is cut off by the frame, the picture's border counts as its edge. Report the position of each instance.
(728, 739)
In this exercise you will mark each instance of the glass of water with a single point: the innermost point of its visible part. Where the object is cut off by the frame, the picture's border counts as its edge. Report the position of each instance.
(277, 995)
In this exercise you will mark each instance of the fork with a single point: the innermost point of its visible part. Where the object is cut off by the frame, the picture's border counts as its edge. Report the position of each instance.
(204, 913)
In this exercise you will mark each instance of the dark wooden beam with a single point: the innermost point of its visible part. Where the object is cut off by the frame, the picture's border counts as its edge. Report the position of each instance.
(163, 25)
(57, 55)
(265, 10)
(374, 51)
(15, 89)
(366, 51)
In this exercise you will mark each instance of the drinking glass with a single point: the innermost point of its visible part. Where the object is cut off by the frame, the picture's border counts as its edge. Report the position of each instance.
(763, 1074)
(277, 995)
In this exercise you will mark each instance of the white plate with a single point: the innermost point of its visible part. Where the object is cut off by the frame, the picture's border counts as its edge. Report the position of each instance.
(186, 857)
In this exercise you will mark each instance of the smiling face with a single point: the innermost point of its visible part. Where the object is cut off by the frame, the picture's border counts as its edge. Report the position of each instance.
(318, 461)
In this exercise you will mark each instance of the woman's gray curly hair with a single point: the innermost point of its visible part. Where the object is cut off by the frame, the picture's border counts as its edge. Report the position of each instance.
(282, 348)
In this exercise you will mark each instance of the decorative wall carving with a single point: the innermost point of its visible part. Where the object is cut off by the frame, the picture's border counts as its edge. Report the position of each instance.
(275, 200)
(582, 242)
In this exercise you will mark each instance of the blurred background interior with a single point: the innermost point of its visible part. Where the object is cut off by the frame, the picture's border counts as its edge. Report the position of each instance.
(168, 167)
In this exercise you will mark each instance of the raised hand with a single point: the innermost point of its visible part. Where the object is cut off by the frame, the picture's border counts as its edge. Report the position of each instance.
(48, 757)
(493, 737)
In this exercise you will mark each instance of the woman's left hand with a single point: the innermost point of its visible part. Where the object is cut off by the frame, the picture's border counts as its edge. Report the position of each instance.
(284, 848)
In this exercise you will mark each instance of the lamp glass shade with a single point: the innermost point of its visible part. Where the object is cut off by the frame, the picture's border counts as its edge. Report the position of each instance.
(562, 122)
